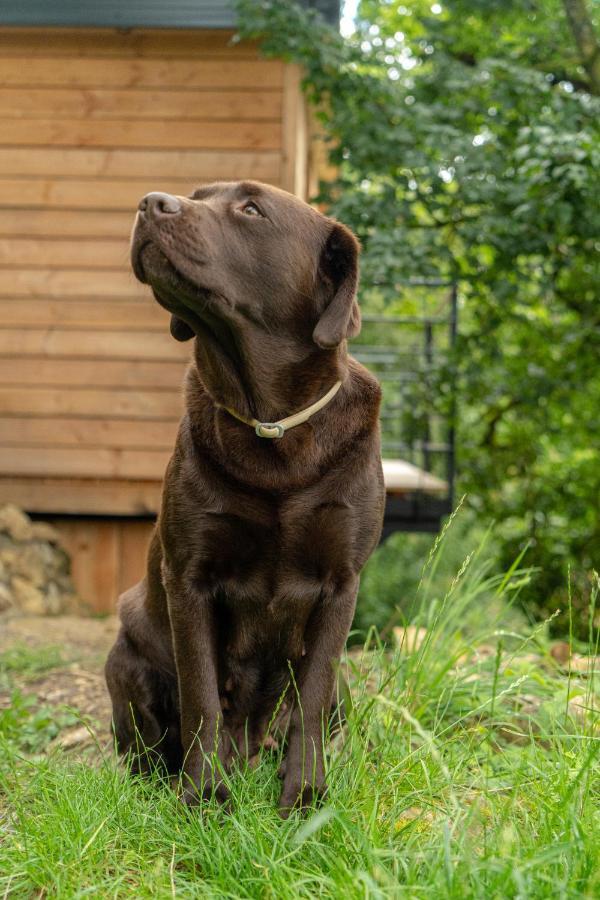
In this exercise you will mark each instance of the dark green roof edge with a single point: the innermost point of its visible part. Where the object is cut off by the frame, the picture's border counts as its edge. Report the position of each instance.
(135, 13)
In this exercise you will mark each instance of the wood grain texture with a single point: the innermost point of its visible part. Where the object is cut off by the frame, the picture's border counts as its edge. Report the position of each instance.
(294, 159)
(27, 223)
(194, 165)
(133, 550)
(107, 557)
(97, 195)
(154, 133)
(90, 378)
(93, 402)
(79, 344)
(159, 72)
(97, 372)
(42, 282)
(94, 548)
(111, 194)
(135, 42)
(64, 431)
(84, 462)
(79, 496)
(97, 103)
(58, 254)
(108, 315)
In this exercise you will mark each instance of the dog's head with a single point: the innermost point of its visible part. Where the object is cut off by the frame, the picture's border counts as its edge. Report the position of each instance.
(243, 255)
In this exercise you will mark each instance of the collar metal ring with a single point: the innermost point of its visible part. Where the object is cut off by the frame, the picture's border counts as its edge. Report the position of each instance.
(269, 430)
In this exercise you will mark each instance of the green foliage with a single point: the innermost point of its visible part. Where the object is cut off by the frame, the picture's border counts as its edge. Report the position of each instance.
(28, 662)
(404, 577)
(29, 727)
(467, 140)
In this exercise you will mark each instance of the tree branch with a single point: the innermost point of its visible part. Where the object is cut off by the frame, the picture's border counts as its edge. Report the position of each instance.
(586, 40)
(495, 415)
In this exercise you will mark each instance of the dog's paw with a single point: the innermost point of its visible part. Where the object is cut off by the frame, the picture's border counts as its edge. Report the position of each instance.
(299, 795)
(192, 794)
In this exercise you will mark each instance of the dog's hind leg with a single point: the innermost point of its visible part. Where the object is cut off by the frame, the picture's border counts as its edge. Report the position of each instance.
(145, 716)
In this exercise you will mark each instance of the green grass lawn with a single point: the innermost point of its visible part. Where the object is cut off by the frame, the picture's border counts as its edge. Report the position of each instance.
(468, 768)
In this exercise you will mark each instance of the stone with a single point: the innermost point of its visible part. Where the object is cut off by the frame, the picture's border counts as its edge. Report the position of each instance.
(74, 737)
(35, 571)
(409, 639)
(15, 523)
(43, 531)
(28, 598)
(6, 598)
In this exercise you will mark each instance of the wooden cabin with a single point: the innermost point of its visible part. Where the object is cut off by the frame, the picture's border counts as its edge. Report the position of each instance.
(101, 103)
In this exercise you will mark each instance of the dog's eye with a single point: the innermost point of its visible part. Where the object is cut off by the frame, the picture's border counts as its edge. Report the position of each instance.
(251, 209)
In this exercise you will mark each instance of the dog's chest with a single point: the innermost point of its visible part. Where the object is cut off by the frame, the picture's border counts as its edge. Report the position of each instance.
(278, 552)
(268, 566)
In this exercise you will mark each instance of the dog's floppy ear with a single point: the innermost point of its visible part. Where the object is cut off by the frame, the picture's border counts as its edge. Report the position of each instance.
(180, 330)
(339, 267)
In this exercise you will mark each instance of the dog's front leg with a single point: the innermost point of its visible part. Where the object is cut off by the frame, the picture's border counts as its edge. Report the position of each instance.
(326, 635)
(194, 634)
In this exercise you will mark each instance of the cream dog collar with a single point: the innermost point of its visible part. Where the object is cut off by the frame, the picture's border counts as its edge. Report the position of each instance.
(278, 429)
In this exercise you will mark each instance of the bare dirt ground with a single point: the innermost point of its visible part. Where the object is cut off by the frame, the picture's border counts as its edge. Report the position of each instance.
(77, 682)
(64, 659)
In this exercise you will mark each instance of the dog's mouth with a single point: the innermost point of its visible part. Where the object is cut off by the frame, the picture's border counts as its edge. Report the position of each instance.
(170, 285)
(137, 251)
(150, 264)
(181, 297)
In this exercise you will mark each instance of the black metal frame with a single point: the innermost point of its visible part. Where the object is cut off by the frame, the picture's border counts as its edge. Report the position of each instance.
(416, 510)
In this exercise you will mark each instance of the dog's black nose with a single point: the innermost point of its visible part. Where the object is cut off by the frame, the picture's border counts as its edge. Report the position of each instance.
(159, 205)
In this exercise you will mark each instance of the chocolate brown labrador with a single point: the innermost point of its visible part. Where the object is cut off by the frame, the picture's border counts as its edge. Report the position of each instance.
(254, 565)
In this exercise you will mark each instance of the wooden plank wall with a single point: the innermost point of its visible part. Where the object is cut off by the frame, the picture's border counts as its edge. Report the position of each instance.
(107, 557)
(89, 376)
(91, 121)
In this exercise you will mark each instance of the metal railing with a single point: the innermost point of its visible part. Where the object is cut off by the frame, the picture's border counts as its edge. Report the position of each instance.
(410, 353)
